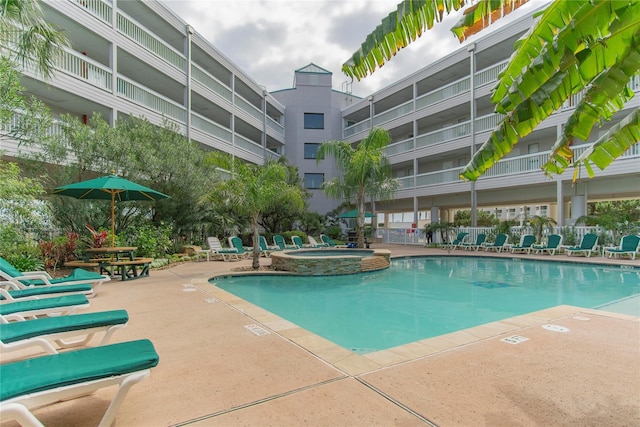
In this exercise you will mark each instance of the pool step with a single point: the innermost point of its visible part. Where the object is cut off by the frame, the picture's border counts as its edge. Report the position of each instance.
(374, 263)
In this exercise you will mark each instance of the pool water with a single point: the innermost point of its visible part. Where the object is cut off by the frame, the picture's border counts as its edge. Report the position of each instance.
(418, 298)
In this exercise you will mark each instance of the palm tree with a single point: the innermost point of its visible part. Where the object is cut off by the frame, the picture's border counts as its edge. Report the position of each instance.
(575, 46)
(252, 190)
(365, 172)
(24, 31)
(539, 223)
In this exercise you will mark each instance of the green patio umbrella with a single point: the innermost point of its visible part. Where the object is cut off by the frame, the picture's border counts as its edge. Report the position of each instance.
(354, 214)
(111, 187)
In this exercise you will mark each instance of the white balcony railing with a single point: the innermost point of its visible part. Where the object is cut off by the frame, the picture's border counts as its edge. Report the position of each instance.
(151, 100)
(98, 8)
(393, 113)
(245, 105)
(248, 145)
(210, 127)
(150, 41)
(272, 124)
(85, 69)
(211, 82)
(399, 147)
(358, 127)
(508, 166)
(443, 93)
(489, 75)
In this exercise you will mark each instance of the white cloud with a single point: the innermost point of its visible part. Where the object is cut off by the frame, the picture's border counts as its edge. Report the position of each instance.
(270, 39)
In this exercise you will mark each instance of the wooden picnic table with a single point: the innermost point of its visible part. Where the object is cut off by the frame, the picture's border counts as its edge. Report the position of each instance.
(120, 253)
(117, 261)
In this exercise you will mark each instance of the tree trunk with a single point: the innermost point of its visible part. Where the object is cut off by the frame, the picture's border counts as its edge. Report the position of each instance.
(360, 222)
(256, 246)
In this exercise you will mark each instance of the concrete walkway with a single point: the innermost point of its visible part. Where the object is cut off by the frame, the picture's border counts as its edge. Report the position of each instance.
(214, 371)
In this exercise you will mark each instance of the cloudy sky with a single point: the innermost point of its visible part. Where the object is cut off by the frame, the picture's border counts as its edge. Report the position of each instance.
(270, 39)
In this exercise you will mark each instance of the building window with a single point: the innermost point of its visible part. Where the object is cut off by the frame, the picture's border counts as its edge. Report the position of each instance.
(310, 150)
(313, 121)
(313, 181)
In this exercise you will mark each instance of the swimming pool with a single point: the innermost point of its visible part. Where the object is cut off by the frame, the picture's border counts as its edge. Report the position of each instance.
(418, 298)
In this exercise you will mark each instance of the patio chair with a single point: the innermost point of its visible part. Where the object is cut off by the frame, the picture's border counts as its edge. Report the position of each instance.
(265, 248)
(480, 238)
(216, 249)
(14, 291)
(526, 242)
(64, 331)
(297, 241)
(629, 245)
(330, 243)
(42, 278)
(457, 242)
(498, 244)
(39, 381)
(315, 244)
(553, 244)
(588, 244)
(279, 241)
(235, 242)
(32, 308)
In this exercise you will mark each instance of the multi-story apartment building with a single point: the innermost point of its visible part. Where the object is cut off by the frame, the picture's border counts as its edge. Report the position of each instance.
(437, 116)
(134, 58)
(313, 114)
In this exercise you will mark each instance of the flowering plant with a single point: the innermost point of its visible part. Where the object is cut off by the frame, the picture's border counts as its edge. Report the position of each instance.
(99, 237)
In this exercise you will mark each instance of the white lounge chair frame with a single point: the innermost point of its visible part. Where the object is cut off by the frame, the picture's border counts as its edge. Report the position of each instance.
(44, 311)
(46, 279)
(61, 339)
(6, 287)
(19, 407)
(216, 249)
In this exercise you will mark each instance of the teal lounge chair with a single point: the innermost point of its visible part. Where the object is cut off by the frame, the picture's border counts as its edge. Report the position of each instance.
(457, 242)
(236, 243)
(553, 244)
(216, 249)
(330, 243)
(498, 245)
(14, 291)
(28, 308)
(525, 245)
(297, 241)
(60, 330)
(42, 278)
(629, 245)
(279, 241)
(587, 245)
(39, 381)
(315, 244)
(480, 238)
(265, 248)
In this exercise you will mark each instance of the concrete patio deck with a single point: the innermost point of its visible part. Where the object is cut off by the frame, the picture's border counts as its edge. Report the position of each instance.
(214, 371)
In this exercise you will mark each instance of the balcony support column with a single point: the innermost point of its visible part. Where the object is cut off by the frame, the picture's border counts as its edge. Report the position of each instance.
(560, 202)
(472, 104)
(188, 88)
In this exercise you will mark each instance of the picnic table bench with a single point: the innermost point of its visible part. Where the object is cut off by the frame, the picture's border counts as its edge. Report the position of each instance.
(127, 269)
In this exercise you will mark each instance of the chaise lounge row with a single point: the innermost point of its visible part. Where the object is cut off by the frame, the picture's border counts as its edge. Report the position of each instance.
(629, 245)
(237, 250)
(38, 313)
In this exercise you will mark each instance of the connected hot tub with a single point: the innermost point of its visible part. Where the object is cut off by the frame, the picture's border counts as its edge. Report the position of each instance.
(330, 261)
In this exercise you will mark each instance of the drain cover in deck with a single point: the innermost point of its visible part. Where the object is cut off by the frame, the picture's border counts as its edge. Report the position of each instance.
(514, 339)
(257, 329)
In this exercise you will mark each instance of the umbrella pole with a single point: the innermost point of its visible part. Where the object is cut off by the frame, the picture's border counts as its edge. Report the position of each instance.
(113, 215)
